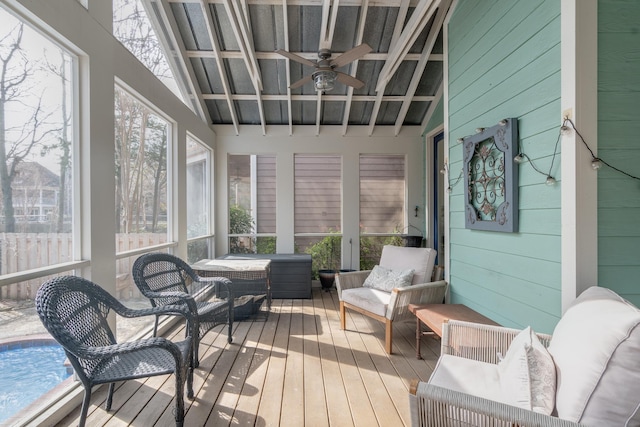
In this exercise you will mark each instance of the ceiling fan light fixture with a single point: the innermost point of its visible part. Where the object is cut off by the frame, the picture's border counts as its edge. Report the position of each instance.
(324, 80)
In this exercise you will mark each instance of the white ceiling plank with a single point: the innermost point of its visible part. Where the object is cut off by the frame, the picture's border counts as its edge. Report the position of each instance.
(312, 98)
(400, 19)
(364, 9)
(240, 26)
(373, 56)
(324, 25)
(239, 19)
(223, 73)
(410, 33)
(422, 64)
(285, 15)
(377, 3)
(179, 59)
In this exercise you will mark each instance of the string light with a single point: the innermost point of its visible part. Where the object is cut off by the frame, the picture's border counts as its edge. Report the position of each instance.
(445, 172)
(597, 162)
(567, 127)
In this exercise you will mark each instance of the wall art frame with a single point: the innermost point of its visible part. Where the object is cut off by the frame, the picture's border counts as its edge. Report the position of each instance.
(491, 178)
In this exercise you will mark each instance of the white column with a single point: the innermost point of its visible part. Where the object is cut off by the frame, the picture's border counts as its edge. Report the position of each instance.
(579, 96)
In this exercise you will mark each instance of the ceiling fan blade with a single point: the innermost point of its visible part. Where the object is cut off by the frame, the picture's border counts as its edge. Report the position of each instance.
(301, 82)
(296, 58)
(350, 55)
(348, 80)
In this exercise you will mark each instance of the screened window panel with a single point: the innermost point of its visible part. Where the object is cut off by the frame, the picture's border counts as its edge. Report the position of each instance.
(382, 193)
(198, 188)
(252, 202)
(141, 174)
(318, 193)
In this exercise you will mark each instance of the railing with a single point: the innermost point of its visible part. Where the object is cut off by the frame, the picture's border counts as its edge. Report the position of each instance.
(28, 251)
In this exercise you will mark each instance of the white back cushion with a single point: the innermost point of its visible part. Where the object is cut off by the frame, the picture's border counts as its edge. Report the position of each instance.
(420, 260)
(596, 349)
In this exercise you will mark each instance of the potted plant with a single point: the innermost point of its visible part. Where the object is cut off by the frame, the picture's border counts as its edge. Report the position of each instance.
(324, 254)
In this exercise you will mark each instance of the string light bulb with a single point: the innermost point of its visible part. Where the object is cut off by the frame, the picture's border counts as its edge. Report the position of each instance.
(479, 130)
(596, 163)
(448, 190)
(460, 140)
(565, 130)
(550, 180)
(443, 171)
(503, 122)
(519, 158)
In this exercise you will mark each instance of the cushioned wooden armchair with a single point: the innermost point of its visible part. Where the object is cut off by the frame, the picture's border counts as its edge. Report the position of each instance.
(385, 292)
(587, 373)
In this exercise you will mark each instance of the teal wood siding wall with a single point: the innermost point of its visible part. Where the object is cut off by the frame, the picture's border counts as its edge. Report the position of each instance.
(618, 144)
(504, 61)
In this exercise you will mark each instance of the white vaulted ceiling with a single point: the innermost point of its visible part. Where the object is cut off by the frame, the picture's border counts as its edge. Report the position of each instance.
(223, 53)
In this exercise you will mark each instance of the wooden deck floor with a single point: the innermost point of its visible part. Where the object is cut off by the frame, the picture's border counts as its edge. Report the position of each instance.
(294, 368)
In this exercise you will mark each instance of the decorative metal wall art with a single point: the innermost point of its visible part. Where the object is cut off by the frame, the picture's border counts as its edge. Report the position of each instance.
(491, 178)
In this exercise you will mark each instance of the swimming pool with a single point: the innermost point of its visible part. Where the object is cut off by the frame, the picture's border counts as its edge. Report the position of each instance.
(29, 368)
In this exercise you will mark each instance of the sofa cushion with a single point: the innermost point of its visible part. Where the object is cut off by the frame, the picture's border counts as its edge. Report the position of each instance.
(595, 347)
(372, 300)
(468, 376)
(528, 375)
(386, 279)
(420, 260)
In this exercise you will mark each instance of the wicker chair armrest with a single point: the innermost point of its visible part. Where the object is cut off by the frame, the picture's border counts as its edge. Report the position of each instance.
(479, 342)
(422, 293)
(214, 285)
(350, 280)
(432, 405)
(89, 352)
(188, 299)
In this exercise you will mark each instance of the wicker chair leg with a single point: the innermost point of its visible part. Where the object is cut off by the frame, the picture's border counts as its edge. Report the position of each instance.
(343, 317)
(85, 406)
(196, 352)
(179, 398)
(230, 337)
(110, 396)
(155, 327)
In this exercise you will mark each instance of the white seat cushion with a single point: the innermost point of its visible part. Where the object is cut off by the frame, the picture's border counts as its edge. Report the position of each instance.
(596, 349)
(420, 260)
(370, 299)
(468, 376)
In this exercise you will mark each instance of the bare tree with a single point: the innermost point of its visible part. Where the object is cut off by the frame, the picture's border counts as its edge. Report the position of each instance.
(140, 159)
(15, 71)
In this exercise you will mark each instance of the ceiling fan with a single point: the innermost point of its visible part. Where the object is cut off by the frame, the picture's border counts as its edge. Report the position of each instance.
(324, 76)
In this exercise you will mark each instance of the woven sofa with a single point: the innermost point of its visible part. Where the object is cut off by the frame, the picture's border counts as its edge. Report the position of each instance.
(593, 378)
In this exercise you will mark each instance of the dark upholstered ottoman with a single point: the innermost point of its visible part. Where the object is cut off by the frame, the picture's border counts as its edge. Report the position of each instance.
(290, 273)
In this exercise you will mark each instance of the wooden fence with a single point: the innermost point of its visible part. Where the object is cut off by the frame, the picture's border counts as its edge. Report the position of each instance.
(27, 251)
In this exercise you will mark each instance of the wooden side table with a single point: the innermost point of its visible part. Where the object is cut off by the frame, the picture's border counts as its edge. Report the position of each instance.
(434, 315)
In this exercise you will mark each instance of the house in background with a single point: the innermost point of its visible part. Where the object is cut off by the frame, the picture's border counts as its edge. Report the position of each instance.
(36, 192)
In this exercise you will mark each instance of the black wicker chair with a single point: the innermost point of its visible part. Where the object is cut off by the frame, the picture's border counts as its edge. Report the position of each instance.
(163, 278)
(74, 311)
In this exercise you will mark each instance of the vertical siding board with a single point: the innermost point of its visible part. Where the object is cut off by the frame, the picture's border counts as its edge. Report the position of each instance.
(618, 129)
(511, 69)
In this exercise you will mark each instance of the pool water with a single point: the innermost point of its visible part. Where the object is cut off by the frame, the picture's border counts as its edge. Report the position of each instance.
(27, 373)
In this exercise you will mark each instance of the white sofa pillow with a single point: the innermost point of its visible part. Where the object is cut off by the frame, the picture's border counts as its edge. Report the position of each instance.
(386, 279)
(528, 374)
(595, 347)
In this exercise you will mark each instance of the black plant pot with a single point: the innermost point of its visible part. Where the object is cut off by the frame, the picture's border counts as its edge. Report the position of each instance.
(327, 278)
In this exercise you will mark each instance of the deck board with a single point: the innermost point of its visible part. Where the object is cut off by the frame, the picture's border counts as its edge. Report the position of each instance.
(294, 367)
